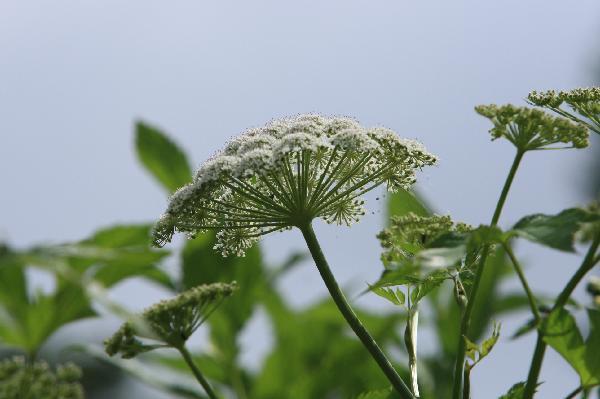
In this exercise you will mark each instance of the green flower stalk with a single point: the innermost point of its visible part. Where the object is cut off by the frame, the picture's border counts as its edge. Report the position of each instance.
(20, 379)
(585, 102)
(170, 323)
(286, 174)
(402, 240)
(528, 130)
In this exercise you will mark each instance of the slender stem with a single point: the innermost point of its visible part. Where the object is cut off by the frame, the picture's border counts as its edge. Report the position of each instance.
(410, 340)
(188, 359)
(575, 392)
(540, 347)
(467, 384)
(343, 306)
(466, 319)
(519, 270)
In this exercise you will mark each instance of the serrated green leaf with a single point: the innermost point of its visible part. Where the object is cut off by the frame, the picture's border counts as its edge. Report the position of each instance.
(396, 297)
(555, 231)
(561, 333)
(161, 157)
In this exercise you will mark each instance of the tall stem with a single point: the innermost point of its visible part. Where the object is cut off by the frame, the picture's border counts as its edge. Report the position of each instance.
(540, 347)
(188, 359)
(528, 292)
(342, 304)
(466, 319)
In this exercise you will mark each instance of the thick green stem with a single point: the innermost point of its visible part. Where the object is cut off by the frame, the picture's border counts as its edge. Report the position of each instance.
(540, 347)
(188, 359)
(356, 325)
(466, 319)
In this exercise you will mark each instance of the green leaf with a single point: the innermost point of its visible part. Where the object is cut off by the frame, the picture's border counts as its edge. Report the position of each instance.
(161, 157)
(555, 231)
(13, 289)
(396, 297)
(179, 385)
(403, 202)
(476, 353)
(120, 252)
(202, 264)
(380, 394)
(515, 392)
(561, 332)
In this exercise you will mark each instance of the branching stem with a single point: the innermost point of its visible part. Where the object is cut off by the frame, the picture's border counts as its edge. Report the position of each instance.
(466, 318)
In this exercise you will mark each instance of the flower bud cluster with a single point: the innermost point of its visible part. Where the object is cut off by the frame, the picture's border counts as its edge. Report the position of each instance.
(532, 129)
(170, 322)
(22, 380)
(287, 173)
(408, 233)
(583, 101)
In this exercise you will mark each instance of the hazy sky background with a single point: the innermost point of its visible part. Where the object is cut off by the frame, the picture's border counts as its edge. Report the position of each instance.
(74, 75)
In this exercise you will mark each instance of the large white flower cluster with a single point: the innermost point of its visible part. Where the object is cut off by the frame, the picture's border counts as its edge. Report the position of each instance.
(287, 173)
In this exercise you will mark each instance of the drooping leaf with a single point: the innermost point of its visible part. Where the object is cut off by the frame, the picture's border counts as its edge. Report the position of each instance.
(161, 157)
(555, 231)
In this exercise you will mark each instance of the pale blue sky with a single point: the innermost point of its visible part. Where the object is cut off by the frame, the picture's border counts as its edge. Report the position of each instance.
(75, 74)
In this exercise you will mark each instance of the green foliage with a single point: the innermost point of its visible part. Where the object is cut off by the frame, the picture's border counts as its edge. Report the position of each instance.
(561, 332)
(28, 318)
(555, 231)
(303, 367)
(396, 296)
(380, 394)
(477, 352)
(403, 202)
(515, 392)
(150, 373)
(24, 380)
(161, 157)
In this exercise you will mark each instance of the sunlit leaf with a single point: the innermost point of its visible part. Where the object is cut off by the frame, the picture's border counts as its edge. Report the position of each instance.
(561, 332)
(396, 296)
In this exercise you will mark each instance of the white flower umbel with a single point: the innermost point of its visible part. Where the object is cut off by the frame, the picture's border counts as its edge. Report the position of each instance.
(286, 174)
